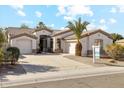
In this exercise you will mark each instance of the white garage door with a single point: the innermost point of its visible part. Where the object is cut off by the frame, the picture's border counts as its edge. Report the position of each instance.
(72, 48)
(24, 45)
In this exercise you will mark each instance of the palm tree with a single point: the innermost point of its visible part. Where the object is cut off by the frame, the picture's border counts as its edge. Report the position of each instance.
(41, 26)
(116, 37)
(78, 27)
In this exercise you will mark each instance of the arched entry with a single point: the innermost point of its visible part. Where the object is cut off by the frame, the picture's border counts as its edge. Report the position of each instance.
(45, 43)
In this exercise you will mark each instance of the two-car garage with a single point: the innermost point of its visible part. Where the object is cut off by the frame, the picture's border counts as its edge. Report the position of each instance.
(25, 43)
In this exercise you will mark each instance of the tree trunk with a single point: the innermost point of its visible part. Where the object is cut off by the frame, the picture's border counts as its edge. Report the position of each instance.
(78, 49)
(13, 62)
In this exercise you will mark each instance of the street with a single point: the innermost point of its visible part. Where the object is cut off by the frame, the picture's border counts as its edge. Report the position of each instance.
(103, 81)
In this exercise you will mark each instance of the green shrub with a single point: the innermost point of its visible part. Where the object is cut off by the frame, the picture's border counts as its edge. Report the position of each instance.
(13, 54)
(115, 51)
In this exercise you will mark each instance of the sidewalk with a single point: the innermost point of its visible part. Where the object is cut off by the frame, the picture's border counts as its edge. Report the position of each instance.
(58, 75)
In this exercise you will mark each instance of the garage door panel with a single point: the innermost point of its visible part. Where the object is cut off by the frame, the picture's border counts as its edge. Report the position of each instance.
(71, 48)
(24, 45)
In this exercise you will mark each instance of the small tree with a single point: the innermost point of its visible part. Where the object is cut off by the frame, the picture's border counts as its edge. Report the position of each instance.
(41, 26)
(24, 26)
(2, 41)
(14, 54)
(2, 38)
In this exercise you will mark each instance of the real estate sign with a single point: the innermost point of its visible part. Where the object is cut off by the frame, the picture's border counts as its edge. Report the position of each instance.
(96, 53)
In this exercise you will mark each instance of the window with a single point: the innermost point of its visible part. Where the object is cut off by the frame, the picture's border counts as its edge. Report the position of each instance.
(99, 42)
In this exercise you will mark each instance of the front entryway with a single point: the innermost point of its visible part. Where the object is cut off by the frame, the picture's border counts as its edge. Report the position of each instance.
(45, 43)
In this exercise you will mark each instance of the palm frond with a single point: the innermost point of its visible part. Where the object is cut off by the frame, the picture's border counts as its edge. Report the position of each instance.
(78, 27)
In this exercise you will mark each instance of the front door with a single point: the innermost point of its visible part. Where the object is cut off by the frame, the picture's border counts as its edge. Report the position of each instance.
(46, 43)
(41, 44)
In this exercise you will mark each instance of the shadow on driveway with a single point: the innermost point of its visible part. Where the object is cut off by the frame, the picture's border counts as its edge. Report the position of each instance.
(8, 69)
(18, 69)
(30, 68)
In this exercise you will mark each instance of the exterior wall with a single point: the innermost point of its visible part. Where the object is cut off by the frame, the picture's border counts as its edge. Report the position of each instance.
(85, 45)
(63, 42)
(88, 42)
(13, 42)
(63, 45)
(105, 39)
(54, 44)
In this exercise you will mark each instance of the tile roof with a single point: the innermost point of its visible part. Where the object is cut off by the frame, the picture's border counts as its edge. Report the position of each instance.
(23, 34)
(13, 31)
(88, 33)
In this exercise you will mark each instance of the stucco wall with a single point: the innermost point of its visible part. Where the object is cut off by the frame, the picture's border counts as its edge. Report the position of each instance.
(63, 45)
(88, 41)
(105, 39)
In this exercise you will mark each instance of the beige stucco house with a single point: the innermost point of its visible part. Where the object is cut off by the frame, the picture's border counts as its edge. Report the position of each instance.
(46, 40)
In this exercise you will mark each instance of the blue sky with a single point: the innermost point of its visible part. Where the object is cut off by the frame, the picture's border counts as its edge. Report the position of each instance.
(106, 17)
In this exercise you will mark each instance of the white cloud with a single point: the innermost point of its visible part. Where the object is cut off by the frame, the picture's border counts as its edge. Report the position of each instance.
(102, 21)
(91, 26)
(38, 14)
(112, 21)
(113, 10)
(103, 27)
(68, 18)
(121, 8)
(79, 10)
(17, 7)
(21, 13)
(74, 10)
(61, 10)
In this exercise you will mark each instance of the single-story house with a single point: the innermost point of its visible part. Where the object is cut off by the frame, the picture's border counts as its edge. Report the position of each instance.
(47, 40)
(121, 42)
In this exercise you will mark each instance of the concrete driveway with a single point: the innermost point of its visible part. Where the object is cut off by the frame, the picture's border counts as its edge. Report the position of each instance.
(51, 67)
(49, 63)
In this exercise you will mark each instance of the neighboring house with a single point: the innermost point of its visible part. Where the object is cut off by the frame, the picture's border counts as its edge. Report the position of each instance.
(31, 40)
(121, 42)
